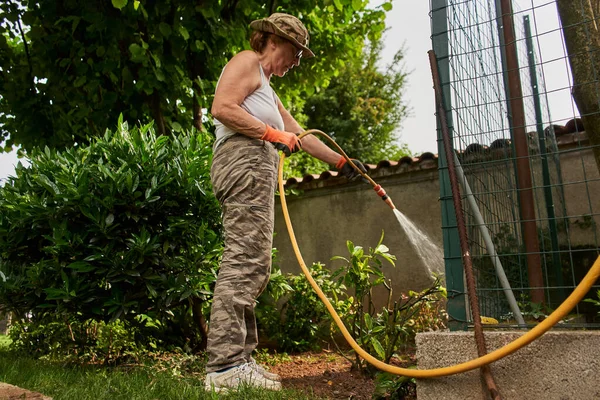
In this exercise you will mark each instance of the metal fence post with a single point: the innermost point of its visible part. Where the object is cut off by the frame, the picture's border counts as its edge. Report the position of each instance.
(452, 254)
(544, 158)
(519, 140)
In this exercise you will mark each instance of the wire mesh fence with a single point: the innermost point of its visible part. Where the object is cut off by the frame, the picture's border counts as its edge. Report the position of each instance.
(528, 161)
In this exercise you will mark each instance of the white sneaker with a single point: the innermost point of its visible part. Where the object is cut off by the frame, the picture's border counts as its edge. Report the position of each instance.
(261, 370)
(234, 377)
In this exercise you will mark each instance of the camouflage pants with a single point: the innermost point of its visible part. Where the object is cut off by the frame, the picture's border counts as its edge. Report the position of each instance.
(244, 177)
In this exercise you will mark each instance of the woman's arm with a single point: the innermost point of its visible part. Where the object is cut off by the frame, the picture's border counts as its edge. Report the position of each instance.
(310, 143)
(240, 78)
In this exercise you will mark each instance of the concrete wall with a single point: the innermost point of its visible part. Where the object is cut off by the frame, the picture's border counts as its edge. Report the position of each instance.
(558, 366)
(581, 181)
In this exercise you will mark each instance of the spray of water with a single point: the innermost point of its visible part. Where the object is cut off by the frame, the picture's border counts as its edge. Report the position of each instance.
(430, 254)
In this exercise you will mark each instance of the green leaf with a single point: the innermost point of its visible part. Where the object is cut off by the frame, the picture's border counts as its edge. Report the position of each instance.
(369, 321)
(119, 3)
(382, 248)
(80, 81)
(81, 266)
(138, 54)
(387, 6)
(378, 348)
(165, 29)
(48, 184)
(159, 75)
(184, 32)
(109, 219)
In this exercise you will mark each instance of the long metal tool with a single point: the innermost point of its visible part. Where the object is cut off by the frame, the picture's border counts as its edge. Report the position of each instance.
(486, 372)
(491, 249)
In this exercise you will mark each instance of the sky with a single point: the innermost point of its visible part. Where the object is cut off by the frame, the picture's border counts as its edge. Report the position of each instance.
(409, 27)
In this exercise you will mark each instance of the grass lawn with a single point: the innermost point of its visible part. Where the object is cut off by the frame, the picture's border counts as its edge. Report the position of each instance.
(151, 380)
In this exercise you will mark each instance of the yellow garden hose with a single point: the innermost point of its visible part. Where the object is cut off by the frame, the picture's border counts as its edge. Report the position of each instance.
(571, 301)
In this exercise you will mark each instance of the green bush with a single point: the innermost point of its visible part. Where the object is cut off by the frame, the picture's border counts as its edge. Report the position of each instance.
(124, 228)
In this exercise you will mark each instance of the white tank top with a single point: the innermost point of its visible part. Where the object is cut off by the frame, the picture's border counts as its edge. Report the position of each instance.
(261, 104)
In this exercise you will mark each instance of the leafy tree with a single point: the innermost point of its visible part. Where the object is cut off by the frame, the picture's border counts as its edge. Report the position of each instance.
(67, 68)
(362, 107)
(123, 228)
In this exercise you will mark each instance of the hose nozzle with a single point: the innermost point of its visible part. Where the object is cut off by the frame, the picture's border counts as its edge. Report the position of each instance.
(381, 193)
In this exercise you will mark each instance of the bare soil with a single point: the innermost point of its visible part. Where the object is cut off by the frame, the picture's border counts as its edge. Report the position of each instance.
(327, 375)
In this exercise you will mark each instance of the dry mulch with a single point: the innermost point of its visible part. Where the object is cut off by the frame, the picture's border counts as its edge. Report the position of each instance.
(325, 374)
(328, 374)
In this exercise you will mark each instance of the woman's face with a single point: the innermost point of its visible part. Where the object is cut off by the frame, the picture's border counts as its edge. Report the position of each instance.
(287, 56)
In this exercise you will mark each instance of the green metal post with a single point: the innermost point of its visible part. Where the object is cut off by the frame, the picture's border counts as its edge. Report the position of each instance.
(452, 255)
(544, 158)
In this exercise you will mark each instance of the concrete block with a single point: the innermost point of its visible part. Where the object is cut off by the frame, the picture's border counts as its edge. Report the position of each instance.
(560, 365)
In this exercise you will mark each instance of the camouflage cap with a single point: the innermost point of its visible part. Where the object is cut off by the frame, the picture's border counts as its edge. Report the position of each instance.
(285, 26)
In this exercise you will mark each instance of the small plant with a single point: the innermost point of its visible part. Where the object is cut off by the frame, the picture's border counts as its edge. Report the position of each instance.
(4, 341)
(265, 358)
(594, 301)
(382, 333)
(394, 387)
(531, 311)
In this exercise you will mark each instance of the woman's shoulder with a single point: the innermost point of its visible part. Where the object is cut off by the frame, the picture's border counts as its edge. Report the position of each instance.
(246, 56)
(244, 66)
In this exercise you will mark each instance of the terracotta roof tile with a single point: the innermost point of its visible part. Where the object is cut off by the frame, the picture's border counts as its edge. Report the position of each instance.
(569, 134)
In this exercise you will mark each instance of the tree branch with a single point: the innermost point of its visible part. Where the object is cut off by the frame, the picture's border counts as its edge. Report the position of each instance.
(272, 7)
(26, 49)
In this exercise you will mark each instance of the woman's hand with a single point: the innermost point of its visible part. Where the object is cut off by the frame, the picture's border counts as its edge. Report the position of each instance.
(284, 141)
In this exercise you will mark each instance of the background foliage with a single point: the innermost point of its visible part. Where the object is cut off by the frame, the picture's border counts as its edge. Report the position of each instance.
(363, 107)
(75, 65)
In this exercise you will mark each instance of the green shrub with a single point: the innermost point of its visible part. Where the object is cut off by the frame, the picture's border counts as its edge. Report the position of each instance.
(124, 227)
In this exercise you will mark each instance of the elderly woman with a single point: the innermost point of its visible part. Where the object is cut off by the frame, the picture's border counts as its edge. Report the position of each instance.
(251, 124)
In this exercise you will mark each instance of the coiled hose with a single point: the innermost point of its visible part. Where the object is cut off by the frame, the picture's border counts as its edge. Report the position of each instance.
(571, 301)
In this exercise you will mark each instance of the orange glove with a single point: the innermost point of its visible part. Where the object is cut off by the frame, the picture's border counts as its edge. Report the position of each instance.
(284, 141)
